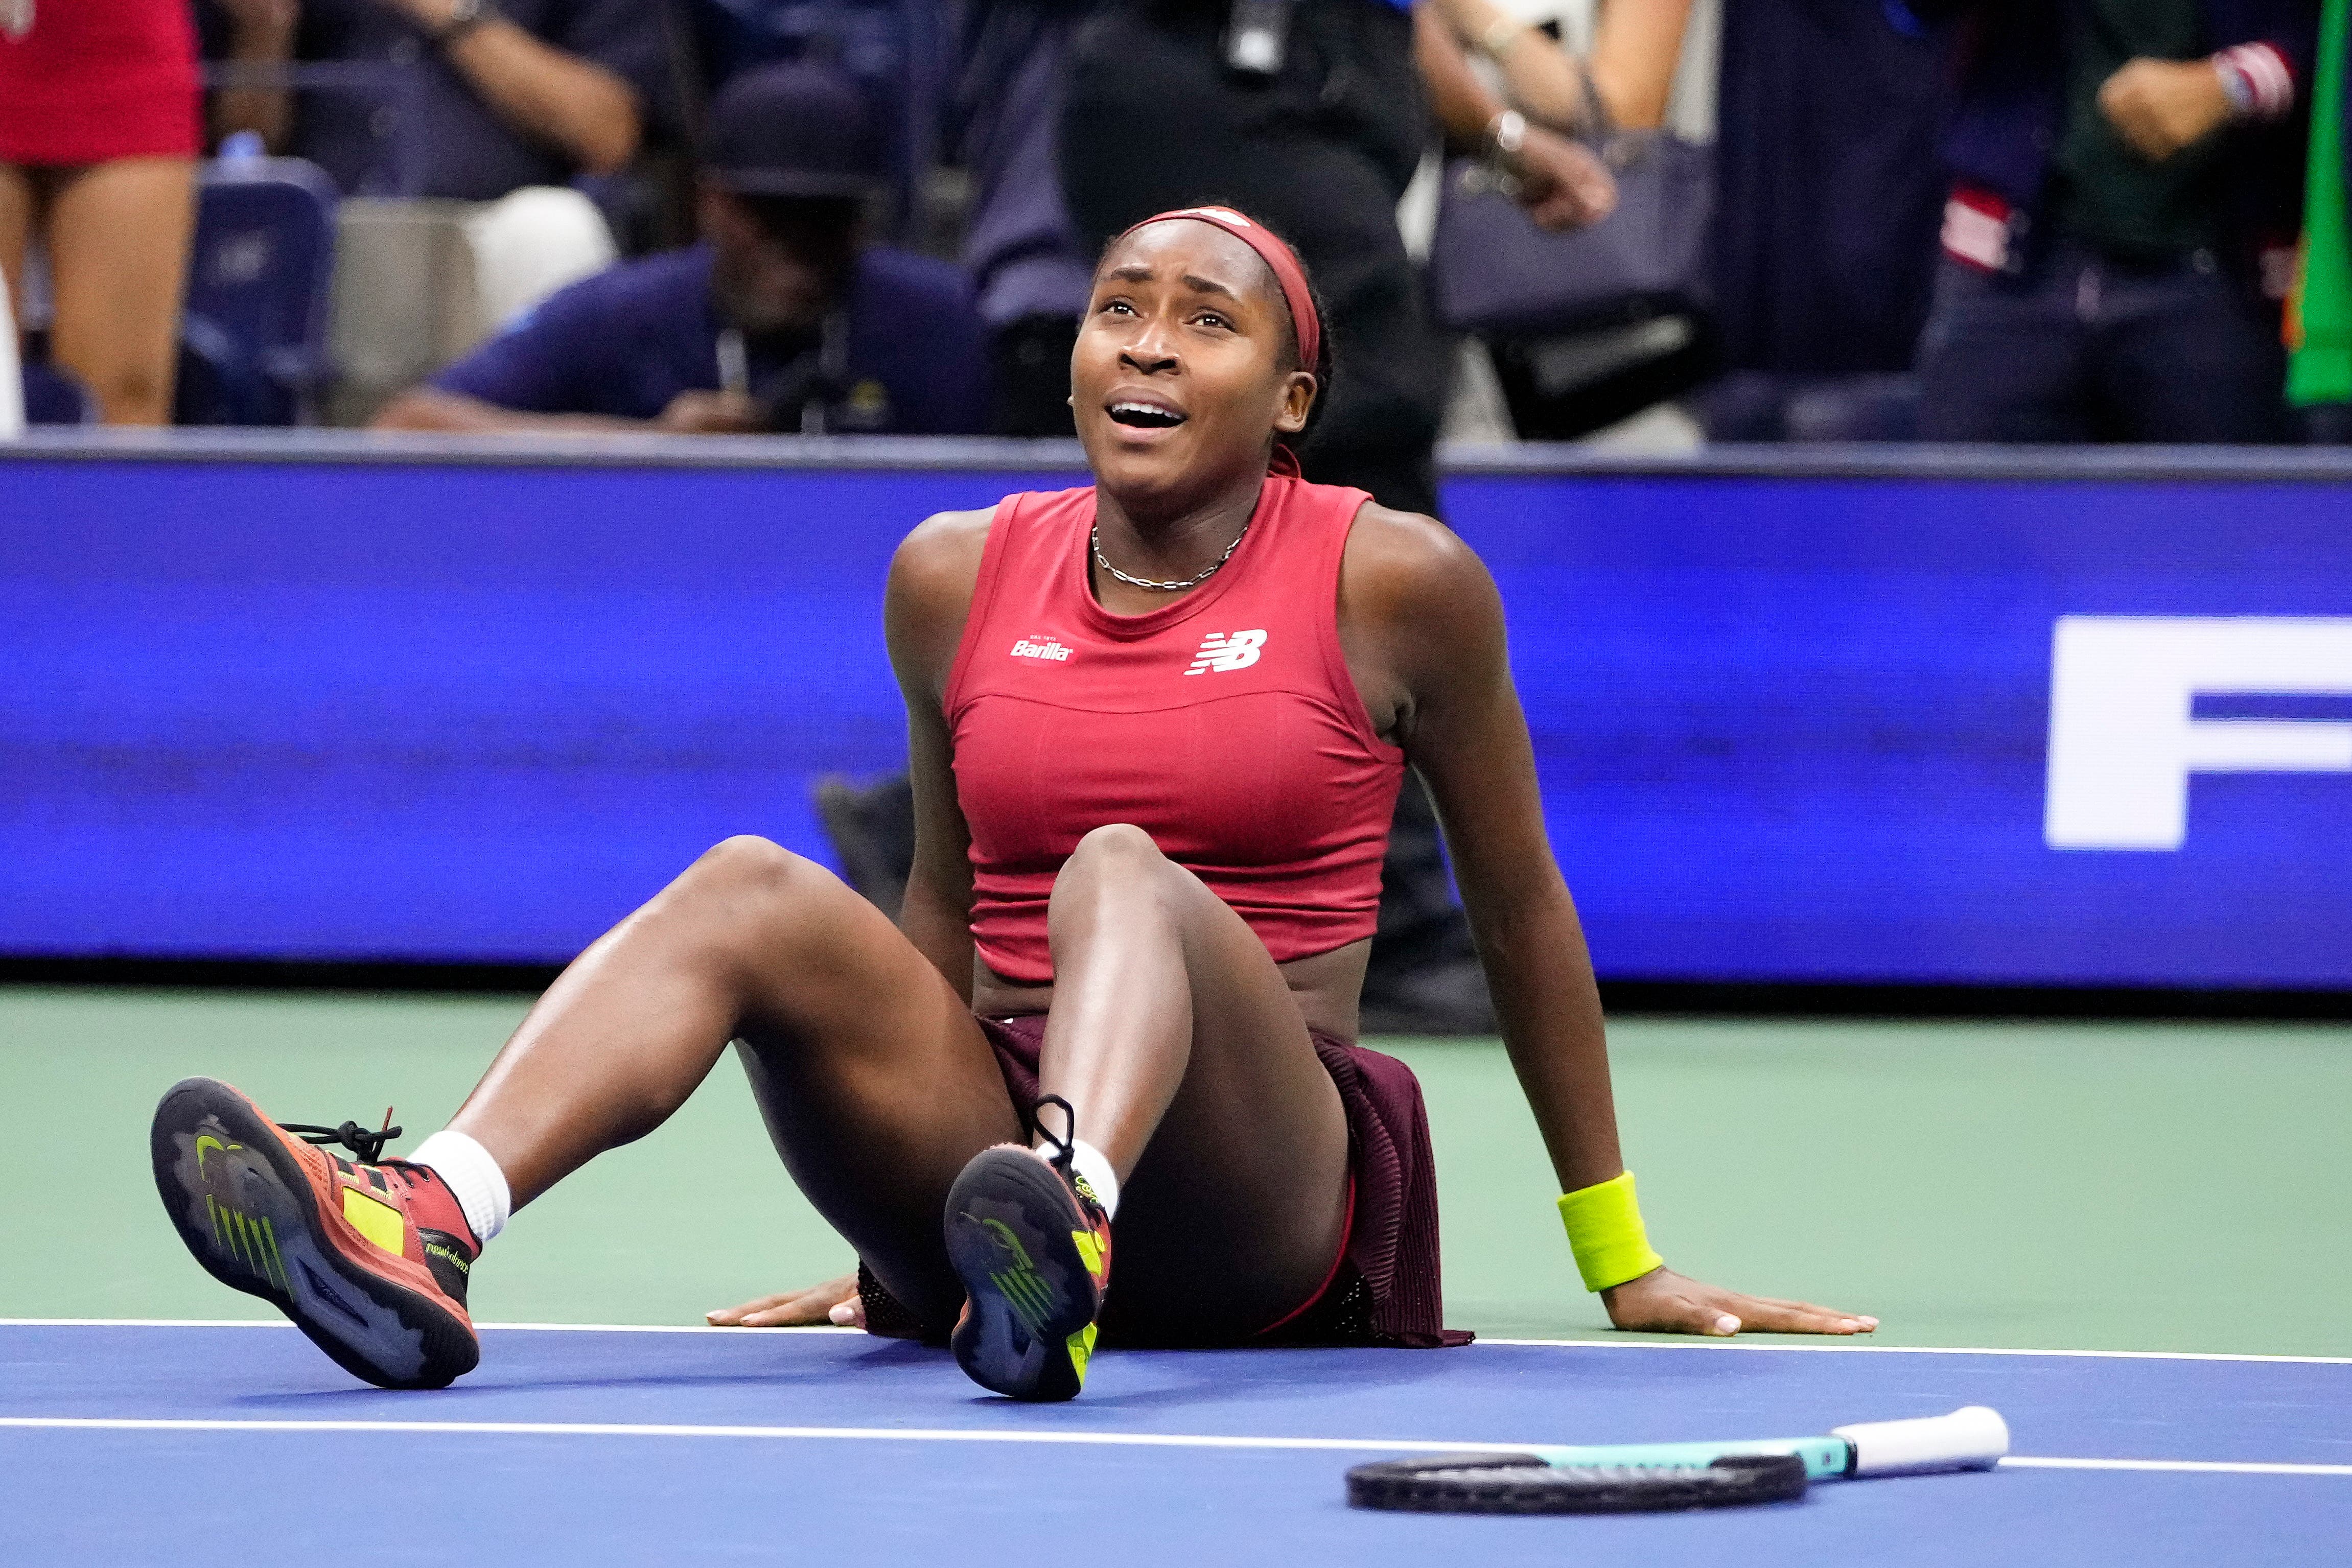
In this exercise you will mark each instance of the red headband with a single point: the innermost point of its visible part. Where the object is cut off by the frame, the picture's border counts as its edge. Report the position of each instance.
(1304, 321)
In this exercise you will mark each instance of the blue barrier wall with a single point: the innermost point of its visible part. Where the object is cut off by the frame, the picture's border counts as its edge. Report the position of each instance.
(1793, 722)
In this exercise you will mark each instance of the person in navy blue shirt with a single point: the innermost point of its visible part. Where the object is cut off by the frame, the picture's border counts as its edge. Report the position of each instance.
(782, 320)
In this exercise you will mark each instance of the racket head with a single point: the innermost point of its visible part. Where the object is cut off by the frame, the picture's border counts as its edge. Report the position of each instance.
(1525, 1483)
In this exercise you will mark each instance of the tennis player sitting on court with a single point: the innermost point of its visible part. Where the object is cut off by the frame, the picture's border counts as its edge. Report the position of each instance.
(1158, 727)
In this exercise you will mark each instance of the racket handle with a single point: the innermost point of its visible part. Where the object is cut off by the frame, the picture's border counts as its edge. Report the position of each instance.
(1972, 1438)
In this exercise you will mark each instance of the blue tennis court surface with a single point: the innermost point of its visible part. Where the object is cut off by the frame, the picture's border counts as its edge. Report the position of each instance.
(194, 1444)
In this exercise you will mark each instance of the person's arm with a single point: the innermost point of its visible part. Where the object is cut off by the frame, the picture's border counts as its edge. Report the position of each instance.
(1542, 76)
(1635, 48)
(1418, 604)
(924, 608)
(691, 412)
(261, 41)
(576, 106)
(564, 365)
(2162, 107)
(1561, 183)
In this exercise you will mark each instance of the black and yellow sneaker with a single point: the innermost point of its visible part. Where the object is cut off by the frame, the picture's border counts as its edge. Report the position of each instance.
(370, 1258)
(1032, 1246)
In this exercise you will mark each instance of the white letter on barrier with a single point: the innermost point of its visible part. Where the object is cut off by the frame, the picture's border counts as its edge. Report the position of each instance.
(2123, 745)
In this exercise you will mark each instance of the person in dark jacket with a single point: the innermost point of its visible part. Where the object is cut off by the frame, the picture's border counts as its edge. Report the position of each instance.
(2121, 225)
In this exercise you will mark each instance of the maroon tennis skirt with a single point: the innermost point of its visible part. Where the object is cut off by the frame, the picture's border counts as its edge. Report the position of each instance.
(1383, 1288)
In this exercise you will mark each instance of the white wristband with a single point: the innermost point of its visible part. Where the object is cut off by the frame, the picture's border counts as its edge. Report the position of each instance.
(2257, 81)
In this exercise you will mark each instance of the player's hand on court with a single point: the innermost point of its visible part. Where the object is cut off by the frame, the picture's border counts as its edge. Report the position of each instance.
(698, 412)
(834, 1302)
(1663, 1302)
(2162, 106)
(1563, 184)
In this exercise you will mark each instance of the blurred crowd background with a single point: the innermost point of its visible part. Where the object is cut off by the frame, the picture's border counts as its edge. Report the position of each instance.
(1650, 222)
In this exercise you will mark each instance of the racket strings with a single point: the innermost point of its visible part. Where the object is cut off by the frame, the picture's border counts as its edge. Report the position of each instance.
(1524, 1483)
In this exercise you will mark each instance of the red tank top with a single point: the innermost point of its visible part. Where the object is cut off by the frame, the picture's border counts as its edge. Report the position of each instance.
(1225, 723)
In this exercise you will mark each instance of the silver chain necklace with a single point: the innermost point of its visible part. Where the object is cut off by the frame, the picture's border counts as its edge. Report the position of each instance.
(1094, 538)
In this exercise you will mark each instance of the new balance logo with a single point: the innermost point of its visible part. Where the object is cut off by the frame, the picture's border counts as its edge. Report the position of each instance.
(1031, 1298)
(250, 1239)
(1225, 653)
(1048, 649)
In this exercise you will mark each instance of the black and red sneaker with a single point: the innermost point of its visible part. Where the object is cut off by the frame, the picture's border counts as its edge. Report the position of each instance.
(368, 1257)
(1032, 1246)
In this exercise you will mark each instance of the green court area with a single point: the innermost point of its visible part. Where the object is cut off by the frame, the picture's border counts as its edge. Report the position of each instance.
(2081, 1185)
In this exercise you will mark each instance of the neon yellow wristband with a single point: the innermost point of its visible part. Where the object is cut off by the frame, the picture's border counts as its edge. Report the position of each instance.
(1604, 1231)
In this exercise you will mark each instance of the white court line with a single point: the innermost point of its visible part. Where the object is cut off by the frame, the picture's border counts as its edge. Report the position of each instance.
(2197, 1467)
(1698, 1342)
(975, 1435)
(1680, 1343)
(633, 1429)
(1693, 1341)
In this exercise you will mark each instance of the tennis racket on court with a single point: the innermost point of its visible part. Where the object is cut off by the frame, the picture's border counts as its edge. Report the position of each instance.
(1646, 1477)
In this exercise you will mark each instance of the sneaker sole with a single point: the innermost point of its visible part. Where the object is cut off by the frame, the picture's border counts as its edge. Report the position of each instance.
(245, 1208)
(1028, 1330)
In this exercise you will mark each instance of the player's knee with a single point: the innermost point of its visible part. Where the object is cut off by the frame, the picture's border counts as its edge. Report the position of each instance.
(746, 859)
(1120, 862)
(759, 895)
(747, 869)
(1117, 844)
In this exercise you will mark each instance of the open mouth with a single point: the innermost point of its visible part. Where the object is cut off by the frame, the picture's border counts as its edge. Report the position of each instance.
(1144, 415)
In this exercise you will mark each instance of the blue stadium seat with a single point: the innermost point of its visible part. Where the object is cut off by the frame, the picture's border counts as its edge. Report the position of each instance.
(253, 340)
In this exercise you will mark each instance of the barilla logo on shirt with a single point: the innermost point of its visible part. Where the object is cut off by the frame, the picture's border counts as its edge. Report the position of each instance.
(1028, 648)
(1226, 652)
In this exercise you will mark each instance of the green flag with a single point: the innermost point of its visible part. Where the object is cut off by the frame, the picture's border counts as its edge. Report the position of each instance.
(2319, 312)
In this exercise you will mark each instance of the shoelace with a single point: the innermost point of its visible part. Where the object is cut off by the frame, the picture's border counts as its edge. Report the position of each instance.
(358, 1140)
(1066, 1147)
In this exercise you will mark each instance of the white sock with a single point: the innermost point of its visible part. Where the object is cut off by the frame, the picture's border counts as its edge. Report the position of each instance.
(474, 1177)
(1089, 1162)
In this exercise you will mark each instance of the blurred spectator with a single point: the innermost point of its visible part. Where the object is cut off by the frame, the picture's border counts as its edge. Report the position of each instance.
(1582, 330)
(1032, 271)
(893, 50)
(98, 142)
(462, 99)
(784, 317)
(2121, 221)
(1828, 192)
(1339, 101)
